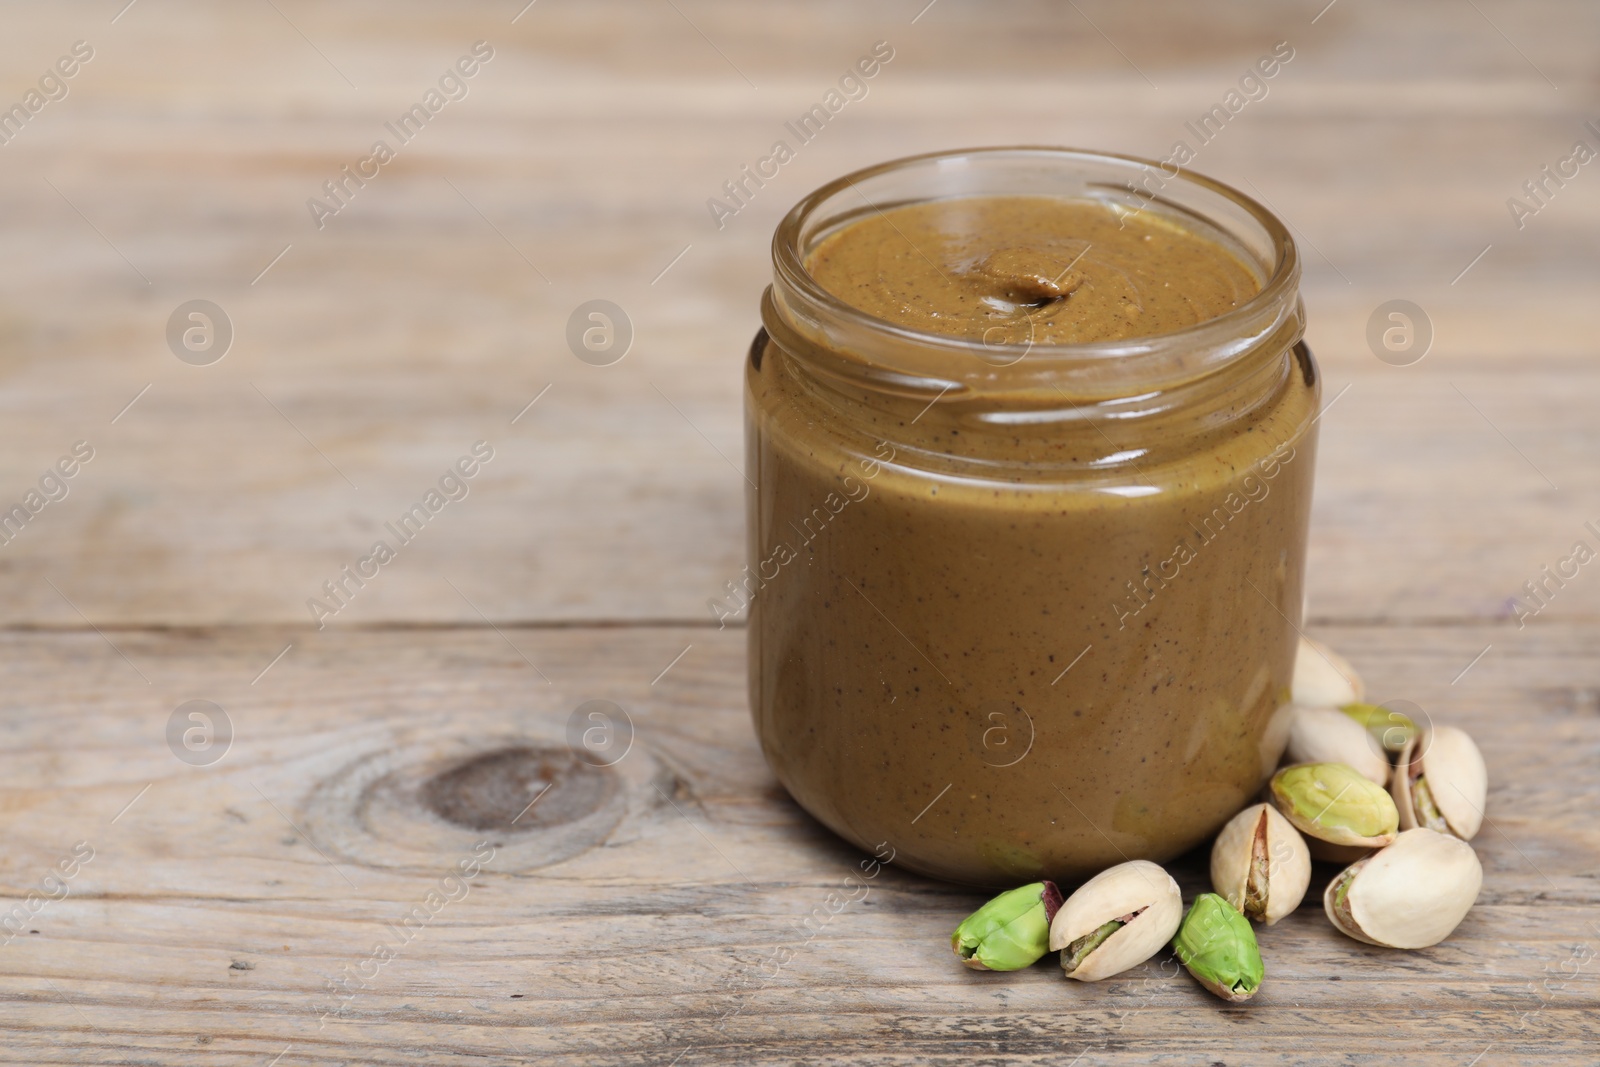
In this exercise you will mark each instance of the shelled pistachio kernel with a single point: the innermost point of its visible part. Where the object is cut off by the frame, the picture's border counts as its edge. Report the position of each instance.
(1010, 932)
(1217, 946)
(1334, 802)
(1390, 728)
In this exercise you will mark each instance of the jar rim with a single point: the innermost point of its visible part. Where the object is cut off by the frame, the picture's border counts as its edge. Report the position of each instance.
(1222, 338)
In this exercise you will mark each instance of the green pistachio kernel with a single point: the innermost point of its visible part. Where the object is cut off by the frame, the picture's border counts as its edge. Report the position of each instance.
(1422, 804)
(1391, 728)
(1218, 947)
(1336, 803)
(1011, 931)
(1073, 955)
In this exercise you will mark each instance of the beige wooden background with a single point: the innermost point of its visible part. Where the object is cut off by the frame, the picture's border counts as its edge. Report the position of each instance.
(633, 918)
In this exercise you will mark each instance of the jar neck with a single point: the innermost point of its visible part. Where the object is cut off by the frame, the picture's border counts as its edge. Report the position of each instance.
(1067, 404)
(1052, 423)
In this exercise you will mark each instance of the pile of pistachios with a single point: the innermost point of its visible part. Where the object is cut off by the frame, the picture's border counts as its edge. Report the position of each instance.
(1402, 827)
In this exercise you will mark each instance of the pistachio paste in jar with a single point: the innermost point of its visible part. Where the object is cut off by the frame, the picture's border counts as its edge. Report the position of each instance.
(1023, 611)
(1021, 269)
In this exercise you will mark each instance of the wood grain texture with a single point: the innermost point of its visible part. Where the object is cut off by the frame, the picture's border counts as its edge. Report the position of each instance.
(217, 909)
(417, 320)
(675, 908)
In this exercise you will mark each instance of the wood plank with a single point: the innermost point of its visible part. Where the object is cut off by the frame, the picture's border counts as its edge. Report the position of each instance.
(637, 912)
(206, 926)
(416, 322)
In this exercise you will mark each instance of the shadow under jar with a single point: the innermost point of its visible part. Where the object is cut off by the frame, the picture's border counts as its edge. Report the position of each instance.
(1023, 608)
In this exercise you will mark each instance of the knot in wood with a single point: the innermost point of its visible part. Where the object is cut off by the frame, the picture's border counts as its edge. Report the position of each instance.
(516, 788)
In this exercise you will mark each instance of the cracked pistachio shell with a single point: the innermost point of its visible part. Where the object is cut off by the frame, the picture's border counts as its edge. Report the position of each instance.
(1409, 895)
(1443, 767)
(1333, 802)
(1323, 678)
(1138, 888)
(1260, 864)
(1217, 946)
(1327, 735)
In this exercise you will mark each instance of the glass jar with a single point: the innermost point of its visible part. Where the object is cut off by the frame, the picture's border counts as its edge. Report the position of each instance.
(1024, 611)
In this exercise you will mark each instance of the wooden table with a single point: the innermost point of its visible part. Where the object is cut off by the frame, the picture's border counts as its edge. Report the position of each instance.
(273, 906)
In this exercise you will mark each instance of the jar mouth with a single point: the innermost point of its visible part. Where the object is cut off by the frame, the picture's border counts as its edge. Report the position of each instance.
(908, 358)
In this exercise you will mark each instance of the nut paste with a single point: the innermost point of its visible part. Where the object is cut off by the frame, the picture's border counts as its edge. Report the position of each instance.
(1027, 624)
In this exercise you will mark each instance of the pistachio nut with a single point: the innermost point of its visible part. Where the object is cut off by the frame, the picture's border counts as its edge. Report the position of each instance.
(1323, 678)
(1116, 920)
(1011, 931)
(1411, 894)
(1440, 782)
(1333, 802)
(1391, 729)
(1218, 947)
(1260, 864)
(1328, 735)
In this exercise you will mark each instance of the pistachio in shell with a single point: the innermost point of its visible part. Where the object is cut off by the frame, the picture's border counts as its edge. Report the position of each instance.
(1334, 802)
(1217, 946)
(1323, 678)
(1440, 782)
(1260, 864)
(1116, 920)
(1390, 728)
(1328, 735)
(1411, 894)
